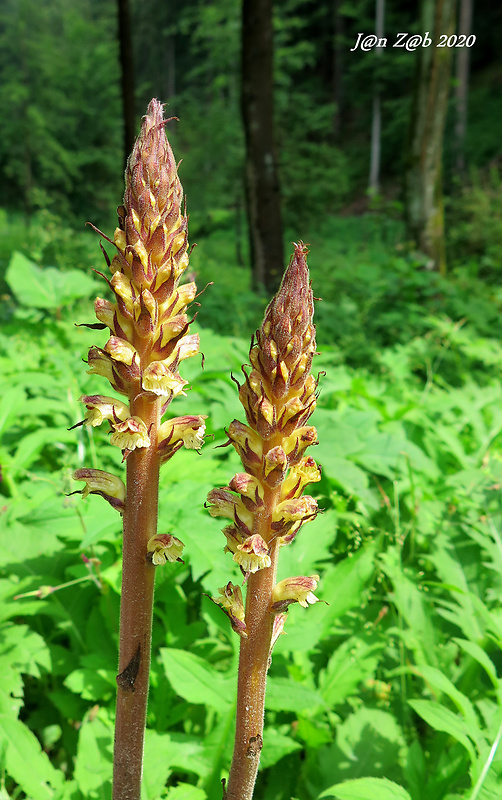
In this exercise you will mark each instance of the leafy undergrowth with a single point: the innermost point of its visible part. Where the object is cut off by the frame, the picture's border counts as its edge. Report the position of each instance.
(389, 689)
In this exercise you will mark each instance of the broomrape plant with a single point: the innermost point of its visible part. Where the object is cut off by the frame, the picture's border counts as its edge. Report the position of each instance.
(150, 337)
(265, 502)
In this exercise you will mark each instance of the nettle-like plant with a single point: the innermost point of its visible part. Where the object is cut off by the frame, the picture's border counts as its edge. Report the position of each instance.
(149, 338)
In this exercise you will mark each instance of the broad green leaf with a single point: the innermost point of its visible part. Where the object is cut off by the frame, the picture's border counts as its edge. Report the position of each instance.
(46, 287)
(415, 608)
(93, 767)
(442, 719)
(383, 454)
(311, 549)
(12, 400)
(369, 742)
(218, 746)
(165, 751)
(156, 764)
(367, 789)
(27, 650)
(353, 662)
(26, 763)
(275, 746)
(92, 684)
(435, 678)
(30, 446)
(343, 584)
(285, 694)
(479, 655)
(196, 680)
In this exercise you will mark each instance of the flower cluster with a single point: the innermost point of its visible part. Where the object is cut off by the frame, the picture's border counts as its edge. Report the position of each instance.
(147, 317)
(265, 503)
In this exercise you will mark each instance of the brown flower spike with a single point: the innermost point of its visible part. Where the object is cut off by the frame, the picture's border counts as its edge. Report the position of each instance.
(149, 338)
(265, 503)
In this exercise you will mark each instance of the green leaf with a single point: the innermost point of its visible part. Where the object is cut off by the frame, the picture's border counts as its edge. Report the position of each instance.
(92, 684)
(383, 454)
(310, 550)
(12, 399)
(275, 746)
(31, 444)
(367, 789)
(344, 583)
(353, 662)
(45, 288)
(479, 655)
(440, 682)
(196, 680)
(93, 768)
(442, 719)
(285, 694)
(26, 763)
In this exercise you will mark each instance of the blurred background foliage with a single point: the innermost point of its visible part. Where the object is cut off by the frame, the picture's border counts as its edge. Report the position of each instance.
(399, 677)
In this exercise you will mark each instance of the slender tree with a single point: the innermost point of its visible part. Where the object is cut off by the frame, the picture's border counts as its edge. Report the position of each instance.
(423, 178)
(462, 84)
(337, 69)
(261, 176)
(376, 125)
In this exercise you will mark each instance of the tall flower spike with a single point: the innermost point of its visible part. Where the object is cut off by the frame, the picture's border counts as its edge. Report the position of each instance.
(149, 338)
(264, 503)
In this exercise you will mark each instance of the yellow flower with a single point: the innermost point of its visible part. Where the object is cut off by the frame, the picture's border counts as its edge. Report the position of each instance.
(164, 547)
(130, 434)
(295, 590)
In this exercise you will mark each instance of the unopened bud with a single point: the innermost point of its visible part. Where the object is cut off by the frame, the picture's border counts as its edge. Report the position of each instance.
(232, 604)
(103, 483)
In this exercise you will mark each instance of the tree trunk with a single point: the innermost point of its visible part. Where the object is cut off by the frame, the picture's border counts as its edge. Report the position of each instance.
(127, 76)
(462, 84)
(423, 179)
(337, 55)
(261, 176)
(376, 125)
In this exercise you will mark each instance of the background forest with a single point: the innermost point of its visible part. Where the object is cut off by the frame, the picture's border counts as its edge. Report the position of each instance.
(399, 675)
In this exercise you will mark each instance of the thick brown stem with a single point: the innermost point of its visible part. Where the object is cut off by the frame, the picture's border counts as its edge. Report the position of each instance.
(140, 524)
(253, 666)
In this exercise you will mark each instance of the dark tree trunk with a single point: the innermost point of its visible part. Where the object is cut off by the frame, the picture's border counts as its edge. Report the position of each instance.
(462, 85)
(261, 178)
(376, 123)
(423, 178)
(338, 39)
(127, 76)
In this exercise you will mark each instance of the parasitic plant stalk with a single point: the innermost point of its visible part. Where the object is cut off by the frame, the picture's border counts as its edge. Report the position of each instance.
(149, 338)
(265, 502)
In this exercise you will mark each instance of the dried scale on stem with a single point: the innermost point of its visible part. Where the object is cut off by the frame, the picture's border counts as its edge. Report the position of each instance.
(149, 339)
(265, 503)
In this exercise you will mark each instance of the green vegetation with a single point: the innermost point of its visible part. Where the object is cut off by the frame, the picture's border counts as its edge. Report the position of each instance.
(392, 688)
(396, 677)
